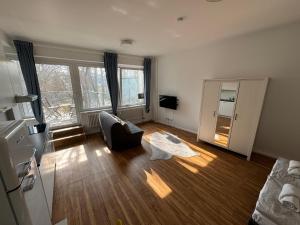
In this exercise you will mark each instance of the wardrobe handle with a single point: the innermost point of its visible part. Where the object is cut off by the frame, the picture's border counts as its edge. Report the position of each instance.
(214, 114)
(235, 116)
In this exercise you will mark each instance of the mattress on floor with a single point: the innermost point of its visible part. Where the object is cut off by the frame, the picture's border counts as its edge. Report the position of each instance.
(268, 210)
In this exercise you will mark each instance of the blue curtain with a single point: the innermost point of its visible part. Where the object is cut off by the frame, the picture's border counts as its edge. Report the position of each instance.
(111, 69)
(27, 63)
(147, 82)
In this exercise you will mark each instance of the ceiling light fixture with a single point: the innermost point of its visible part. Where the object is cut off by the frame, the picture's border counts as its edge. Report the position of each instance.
(213, 0)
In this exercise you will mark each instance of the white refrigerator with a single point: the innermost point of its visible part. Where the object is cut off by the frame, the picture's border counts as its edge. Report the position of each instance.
(22, 196)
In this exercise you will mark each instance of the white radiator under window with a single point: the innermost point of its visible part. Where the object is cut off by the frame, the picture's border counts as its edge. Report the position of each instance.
(134, 115)
(90, 120)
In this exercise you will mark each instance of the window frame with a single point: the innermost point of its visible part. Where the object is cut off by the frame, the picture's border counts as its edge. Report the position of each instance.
(73, 65)
(127, 67)
(74, 83)
(88, 64)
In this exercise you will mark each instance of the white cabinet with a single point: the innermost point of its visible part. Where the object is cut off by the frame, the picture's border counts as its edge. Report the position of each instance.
(230, 113)
(36, 200)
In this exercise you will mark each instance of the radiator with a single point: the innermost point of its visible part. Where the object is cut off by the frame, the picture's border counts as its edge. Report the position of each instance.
(134, 115)
(90, 120)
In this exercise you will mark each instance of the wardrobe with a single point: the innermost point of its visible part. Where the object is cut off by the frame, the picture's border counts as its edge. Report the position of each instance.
(230, 113)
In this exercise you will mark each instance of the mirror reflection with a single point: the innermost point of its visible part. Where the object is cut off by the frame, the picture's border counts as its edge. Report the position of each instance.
(225, 112)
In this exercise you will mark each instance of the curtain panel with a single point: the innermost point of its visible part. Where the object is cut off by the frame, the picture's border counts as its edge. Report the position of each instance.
(27, 63)
(111, 68)
(147, 82)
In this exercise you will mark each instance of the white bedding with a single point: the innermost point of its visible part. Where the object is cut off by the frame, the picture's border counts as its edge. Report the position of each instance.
(268, 209)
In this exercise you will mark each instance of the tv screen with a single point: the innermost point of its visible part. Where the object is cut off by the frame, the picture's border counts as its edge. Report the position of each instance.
(169, 102)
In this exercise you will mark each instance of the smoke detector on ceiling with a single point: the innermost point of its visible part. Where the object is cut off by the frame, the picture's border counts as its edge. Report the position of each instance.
(181, 18)
(127, 42)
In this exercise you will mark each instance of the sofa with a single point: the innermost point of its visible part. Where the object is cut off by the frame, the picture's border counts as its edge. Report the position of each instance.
(119, 134)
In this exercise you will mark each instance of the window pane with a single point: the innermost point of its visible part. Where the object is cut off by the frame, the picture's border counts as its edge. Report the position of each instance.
(57, 95)
(94, 88)
(132, 84)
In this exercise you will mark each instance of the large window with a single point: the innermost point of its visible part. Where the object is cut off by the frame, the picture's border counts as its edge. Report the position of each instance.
(131, 86)
(57, 94)
(58, 79)
(94, 88)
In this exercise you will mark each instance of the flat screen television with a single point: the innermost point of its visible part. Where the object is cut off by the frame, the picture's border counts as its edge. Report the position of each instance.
(169, 102)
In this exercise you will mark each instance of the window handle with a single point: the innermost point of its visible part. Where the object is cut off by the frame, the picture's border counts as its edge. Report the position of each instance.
(23, 169)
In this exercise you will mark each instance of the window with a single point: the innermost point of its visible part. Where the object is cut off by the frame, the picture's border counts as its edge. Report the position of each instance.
(131, 86)
(58, 79)
(57, 94)
(94, 87)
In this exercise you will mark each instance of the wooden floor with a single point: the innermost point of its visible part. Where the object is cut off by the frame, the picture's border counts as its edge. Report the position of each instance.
(96, 186)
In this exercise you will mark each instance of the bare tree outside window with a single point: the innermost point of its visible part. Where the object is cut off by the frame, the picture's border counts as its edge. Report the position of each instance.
(94, 87)
(132, 84)
(57, 94)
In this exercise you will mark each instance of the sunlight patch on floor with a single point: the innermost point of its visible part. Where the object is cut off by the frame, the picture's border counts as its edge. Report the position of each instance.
(147, 137)
(63, 159)
(82, 157)
(157, 184)
(68, 156)
(106, 149)
(201, 150)
(201, 161)
(98, 152)
(188, 167)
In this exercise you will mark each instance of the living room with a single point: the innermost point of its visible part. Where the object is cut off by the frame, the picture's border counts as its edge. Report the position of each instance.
(150, 112)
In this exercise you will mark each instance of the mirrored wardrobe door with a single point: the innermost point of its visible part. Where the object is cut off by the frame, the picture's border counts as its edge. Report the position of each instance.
(225, 113)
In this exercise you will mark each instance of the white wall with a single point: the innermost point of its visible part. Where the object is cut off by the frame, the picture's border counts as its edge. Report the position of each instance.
(67, 53)
(273, 53)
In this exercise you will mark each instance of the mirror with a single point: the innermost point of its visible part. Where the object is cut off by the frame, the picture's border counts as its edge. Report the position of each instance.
(225, 112)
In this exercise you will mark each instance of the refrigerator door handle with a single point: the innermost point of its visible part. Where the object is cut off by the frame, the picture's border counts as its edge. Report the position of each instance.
(28, 183)
(23, 169)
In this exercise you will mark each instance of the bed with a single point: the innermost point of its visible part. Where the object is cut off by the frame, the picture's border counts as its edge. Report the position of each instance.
(268, 210)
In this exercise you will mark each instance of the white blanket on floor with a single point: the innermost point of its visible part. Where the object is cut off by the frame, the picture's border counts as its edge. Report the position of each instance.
(165, 145)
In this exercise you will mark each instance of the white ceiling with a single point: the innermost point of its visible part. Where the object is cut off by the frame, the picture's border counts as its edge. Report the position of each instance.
(100, 24)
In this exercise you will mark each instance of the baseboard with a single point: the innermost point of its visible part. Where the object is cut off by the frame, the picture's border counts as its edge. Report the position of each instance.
(178, 127)
(274, 156)
(185, 129)
(145, 121)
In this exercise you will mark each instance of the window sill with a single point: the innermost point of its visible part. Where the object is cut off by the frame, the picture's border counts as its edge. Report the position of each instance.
(132, 106)
(109, 108)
